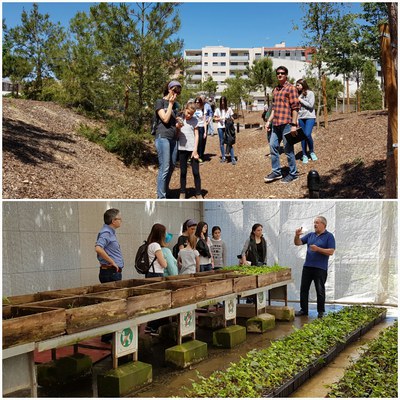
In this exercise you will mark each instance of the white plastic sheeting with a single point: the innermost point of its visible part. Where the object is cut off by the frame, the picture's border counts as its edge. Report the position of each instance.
(364, 266)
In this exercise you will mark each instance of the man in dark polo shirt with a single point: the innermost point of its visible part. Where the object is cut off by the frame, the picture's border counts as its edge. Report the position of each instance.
(283, 119)
(108, 249)
(320, 245)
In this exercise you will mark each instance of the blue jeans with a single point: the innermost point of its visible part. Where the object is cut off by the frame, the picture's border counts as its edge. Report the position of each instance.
(167, 150)
(205, 267)
(210, 128)
(109, 275)
(276, 138)
(221, 141)
(307, 125)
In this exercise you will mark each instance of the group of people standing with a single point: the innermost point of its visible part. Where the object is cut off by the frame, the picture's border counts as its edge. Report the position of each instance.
(186, 133)
(195, 252)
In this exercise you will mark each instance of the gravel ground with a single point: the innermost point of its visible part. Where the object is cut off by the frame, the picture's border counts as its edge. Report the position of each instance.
(44, 157)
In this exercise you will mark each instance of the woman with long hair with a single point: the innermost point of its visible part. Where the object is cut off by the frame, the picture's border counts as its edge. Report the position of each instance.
(166, 138)
(306, 118)
(221, 114)
(156, 240)
(255, 247)
(204, 247)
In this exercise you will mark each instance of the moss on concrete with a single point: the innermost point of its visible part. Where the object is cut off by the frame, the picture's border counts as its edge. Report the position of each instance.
(187, 353)
(261, 323)
(229, 337)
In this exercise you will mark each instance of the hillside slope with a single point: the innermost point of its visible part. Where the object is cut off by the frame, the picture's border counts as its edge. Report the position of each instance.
(43, 157)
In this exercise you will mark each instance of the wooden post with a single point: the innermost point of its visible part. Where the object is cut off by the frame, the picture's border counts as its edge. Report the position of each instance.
(389, 73)
(325, 100)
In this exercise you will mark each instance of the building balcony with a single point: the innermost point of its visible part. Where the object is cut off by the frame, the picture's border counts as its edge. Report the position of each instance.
(196, 77)
(195, 68)
(239, 58)
(193, 58)
(237, 67)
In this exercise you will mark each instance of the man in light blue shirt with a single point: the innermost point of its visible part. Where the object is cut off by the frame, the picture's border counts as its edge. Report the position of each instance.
(108, 249)
(320, 245)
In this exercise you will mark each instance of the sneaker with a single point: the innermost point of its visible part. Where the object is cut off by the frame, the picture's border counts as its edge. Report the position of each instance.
(305, 159)
(200, 160)
(313, 157)
(199, 197)
(182, 196)
(273, 176)
(301, 313)
(289, 178)
(233, 162)
(223, 160)
(148, 329)
(320, 315)
(189, 161)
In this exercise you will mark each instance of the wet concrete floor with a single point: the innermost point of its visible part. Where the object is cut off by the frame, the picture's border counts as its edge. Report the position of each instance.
(170, 382)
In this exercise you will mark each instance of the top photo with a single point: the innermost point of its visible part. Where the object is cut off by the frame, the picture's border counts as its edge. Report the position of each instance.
(223, 100)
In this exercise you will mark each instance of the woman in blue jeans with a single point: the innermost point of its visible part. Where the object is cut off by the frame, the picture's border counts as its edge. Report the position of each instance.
(166, 136)
(306, 118)
(221, 114)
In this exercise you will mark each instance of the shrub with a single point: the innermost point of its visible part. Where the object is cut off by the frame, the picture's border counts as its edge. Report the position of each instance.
(126, 143)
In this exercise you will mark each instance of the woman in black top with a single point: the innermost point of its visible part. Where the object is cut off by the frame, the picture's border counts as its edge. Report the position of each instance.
(255, 247)
(166, 124)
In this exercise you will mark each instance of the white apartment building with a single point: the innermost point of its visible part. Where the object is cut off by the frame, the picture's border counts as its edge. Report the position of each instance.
(221, 63)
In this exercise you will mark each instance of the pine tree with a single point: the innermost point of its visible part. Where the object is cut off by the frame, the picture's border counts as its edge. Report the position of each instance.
(37, 42)
(371, 96)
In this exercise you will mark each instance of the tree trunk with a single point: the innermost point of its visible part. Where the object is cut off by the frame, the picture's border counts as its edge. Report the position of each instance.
(389, 73)
(325, 100)
(348, 93)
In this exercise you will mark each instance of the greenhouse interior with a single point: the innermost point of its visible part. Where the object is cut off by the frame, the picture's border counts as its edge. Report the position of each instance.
(242, 317)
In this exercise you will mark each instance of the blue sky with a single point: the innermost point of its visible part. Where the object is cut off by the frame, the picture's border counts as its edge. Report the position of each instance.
(231, 24)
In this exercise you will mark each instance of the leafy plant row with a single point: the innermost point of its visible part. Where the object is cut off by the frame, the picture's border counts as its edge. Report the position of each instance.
(375, 373)
(261, 372)
(252, 270)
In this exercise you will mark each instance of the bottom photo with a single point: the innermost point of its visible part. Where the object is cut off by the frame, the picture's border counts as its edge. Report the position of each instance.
(189, 299)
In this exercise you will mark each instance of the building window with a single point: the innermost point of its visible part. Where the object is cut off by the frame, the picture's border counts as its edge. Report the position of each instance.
(215, 54)
(223, 64)
(205, 54)
(288, 54)
(215, 63)
(234, 54)
(205, 63)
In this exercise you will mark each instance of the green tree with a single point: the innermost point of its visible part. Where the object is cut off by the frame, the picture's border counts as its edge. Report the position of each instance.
(210, 86)
(317, 22)
(85, 77)
(373, 14)
(237, 90)
(371, 95)
(140, 51)
(261, 74)
(333, 88)
(39, 42)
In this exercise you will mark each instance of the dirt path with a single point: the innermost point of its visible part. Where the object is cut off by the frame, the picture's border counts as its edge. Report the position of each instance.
(43, 157)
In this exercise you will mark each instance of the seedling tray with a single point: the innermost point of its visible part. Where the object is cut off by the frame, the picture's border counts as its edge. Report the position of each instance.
(274, 277)
(26, 324)
(87, 312)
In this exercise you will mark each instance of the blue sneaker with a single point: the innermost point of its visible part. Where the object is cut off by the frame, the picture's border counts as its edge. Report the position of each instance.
(305, 159)
(313, 157)
(289, 178)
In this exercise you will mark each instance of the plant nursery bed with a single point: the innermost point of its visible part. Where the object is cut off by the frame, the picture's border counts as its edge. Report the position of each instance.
(215, 286)
(86, 312)
(182, 292)
(140, 300)
(281, 368)
(26, 324)
(274, 277)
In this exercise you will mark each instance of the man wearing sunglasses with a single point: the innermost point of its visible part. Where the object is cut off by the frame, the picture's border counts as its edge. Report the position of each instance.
(283, 119)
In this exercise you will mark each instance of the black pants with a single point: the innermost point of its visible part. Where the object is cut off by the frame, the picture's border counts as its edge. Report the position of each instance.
(319, 276)
(202, 142)
(183, 159)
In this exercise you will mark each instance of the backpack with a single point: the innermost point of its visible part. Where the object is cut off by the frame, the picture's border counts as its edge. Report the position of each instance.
(142, 262)
(230, 132)
(175, 250)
